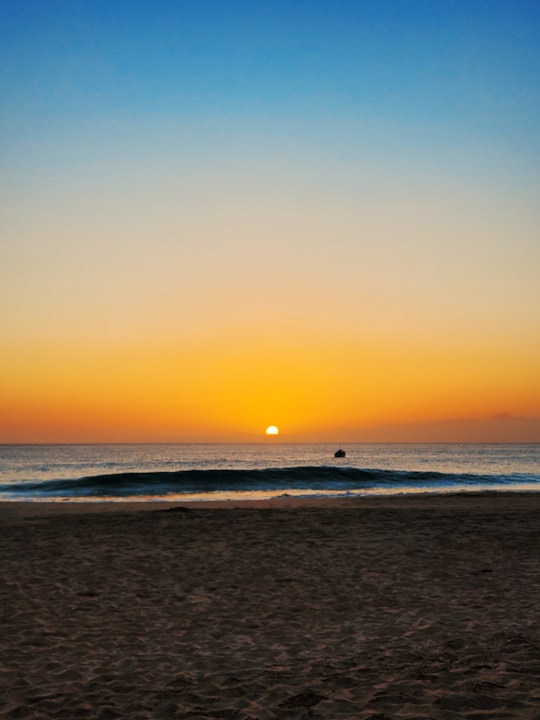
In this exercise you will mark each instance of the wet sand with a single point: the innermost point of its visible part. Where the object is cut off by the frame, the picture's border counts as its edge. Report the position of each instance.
(424, 607)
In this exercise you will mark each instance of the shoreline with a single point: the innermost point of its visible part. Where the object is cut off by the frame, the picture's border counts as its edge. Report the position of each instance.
(526, 500)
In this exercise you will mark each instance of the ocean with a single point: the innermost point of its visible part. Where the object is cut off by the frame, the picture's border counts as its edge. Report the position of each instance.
(209, 472)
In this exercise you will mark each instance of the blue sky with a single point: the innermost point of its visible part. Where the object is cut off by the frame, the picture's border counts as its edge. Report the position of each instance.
(440, 88)
(462, 69)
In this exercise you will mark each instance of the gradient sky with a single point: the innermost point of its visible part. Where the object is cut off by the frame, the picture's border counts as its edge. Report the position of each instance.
(217, 216)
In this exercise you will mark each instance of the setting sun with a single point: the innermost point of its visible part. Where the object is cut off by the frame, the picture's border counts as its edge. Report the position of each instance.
(272, 430)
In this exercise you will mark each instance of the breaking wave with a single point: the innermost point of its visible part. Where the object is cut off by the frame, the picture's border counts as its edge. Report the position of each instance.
(280, 480)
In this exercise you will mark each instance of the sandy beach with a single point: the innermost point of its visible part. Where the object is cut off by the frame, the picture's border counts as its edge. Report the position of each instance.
(419, 607)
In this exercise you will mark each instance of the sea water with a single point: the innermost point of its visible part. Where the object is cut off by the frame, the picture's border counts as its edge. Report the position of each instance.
(265, 470)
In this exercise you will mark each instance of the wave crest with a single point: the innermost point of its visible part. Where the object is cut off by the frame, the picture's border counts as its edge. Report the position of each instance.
(187, 482)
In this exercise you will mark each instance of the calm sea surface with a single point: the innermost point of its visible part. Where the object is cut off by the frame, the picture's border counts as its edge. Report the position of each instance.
(218, 471)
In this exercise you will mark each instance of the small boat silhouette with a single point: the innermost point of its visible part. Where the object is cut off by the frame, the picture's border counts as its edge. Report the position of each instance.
(339, 453)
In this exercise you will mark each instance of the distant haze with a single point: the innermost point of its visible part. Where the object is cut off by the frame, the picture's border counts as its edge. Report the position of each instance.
(498, 429)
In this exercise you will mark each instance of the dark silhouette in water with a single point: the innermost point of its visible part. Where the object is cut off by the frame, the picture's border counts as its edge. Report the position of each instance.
(339, 453)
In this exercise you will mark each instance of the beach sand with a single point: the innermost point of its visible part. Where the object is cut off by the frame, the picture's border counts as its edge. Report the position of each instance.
(420, 607)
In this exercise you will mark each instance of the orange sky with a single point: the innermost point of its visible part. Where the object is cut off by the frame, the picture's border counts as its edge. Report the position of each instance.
(325, 320)
(312, 389)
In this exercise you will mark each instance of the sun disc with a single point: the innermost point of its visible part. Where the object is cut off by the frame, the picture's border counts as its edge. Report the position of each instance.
(272, 430)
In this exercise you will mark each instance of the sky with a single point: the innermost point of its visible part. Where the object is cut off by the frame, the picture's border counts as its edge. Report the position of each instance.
(218, 216)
